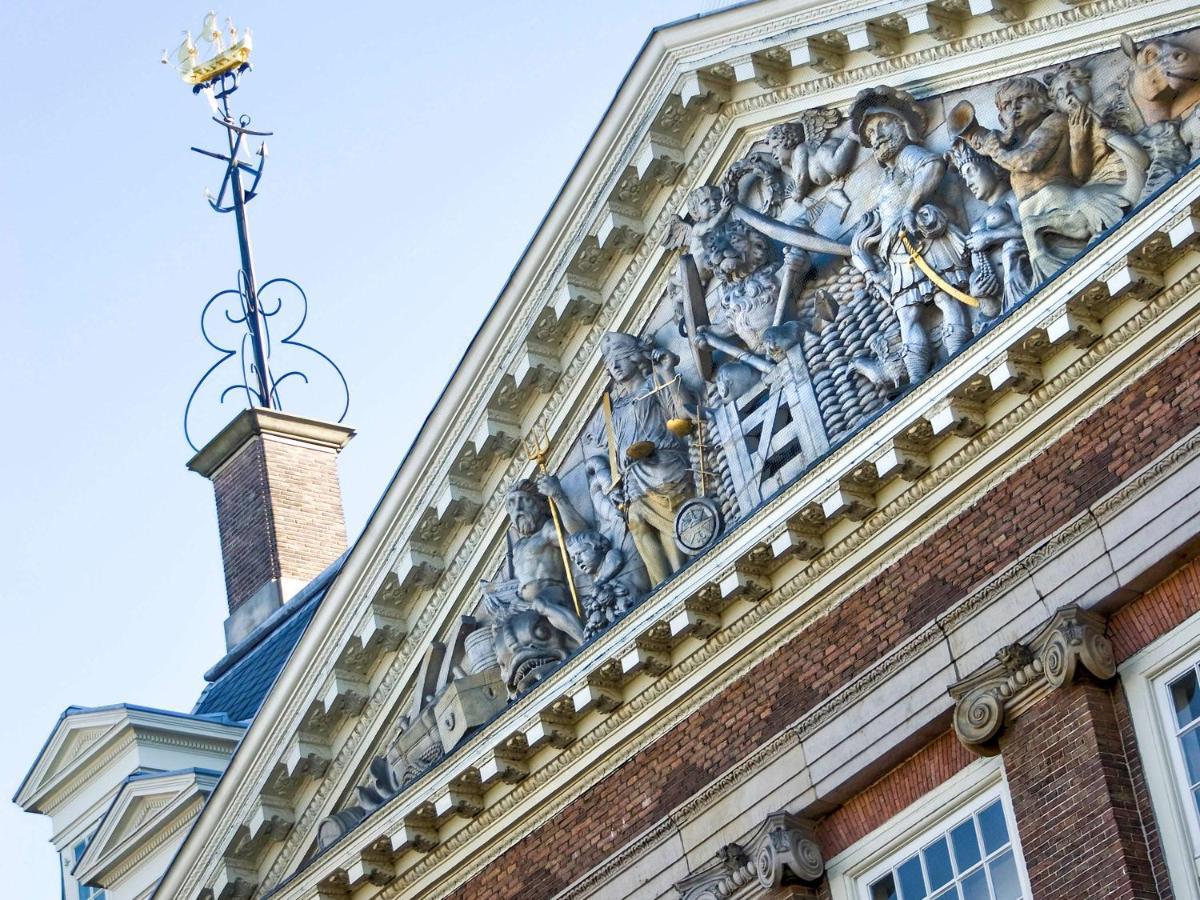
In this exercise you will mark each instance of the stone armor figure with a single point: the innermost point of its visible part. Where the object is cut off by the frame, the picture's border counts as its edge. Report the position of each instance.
(890, 123)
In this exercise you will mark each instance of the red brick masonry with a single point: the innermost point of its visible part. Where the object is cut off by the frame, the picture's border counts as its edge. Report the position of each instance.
(1113, 443)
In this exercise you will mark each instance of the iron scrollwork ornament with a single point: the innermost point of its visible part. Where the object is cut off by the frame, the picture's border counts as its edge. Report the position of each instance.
(245, 314)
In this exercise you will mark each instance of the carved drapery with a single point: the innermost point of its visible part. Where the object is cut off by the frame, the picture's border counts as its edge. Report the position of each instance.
(780, 851)
(1073, 641)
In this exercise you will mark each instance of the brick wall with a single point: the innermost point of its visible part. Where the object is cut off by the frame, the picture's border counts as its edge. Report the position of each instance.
(1128, 433)
(906, 783)
(1073, 799)
(279, 511)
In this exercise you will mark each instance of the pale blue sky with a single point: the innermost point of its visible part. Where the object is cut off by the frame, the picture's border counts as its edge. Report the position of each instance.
(416, 147)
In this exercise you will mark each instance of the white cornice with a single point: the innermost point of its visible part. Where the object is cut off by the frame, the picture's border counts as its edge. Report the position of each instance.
(52, 780)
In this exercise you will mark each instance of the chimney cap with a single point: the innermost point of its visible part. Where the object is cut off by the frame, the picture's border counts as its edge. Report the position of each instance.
(258, 420)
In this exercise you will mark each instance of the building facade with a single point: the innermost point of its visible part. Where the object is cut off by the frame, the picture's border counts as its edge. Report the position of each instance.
(814, 515)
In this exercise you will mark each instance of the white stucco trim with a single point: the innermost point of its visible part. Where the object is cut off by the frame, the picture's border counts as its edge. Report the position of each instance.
(1144, 675)
(978, 784)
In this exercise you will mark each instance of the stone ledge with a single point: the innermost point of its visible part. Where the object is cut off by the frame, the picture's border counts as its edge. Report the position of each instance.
(276, 423)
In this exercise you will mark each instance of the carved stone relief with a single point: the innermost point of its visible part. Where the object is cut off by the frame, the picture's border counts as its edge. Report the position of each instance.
(1071, 642)
(844, 257)
(780, 851)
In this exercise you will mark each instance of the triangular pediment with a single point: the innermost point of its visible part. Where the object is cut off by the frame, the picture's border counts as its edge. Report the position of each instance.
(137, 816)
(77, 742)
(77, 737)
(440, 672)
(88, 741)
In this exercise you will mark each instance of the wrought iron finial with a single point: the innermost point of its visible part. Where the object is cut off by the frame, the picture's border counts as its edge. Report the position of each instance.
(237, 322)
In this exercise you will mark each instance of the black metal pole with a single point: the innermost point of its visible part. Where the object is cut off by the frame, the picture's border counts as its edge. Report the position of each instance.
(254, 319)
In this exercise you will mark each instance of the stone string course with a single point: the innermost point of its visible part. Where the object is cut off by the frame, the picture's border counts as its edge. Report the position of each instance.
(1112, 444)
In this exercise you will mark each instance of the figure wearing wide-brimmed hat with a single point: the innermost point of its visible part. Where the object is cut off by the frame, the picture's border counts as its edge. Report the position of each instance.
(892, 125)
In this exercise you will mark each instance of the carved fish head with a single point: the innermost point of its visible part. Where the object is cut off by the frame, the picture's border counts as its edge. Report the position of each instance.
(528, 646)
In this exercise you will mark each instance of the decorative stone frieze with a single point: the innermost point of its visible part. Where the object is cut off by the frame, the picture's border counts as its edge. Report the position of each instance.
(1021, 674)
(781, 851)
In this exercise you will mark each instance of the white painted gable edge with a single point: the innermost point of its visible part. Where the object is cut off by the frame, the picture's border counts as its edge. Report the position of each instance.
(50, 772)
(663, 47)
(114, 841)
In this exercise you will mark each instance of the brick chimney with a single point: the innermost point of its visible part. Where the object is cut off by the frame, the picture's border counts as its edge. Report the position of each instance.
(279, 508)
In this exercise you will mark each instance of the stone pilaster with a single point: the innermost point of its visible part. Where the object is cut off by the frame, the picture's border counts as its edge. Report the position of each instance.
(1073, 799)
(1021, 674)
(780, 852)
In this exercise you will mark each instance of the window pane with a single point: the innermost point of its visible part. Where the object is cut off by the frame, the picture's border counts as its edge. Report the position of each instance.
(937, 863)
(884, 888)
(966, 847)
(912, 882)
(950, 893)
(995, 832)
(1004, 877)
(976, 887)
(1186, 697)
(1189, 741)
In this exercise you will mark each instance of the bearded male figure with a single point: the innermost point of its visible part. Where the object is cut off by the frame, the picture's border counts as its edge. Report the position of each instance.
(890, 123)
(535, 557)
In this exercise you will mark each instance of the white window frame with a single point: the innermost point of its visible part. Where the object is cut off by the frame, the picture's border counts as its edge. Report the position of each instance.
(1146, 676)
(850, 872)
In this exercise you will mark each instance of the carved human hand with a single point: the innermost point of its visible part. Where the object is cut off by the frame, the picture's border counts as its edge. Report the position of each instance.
(981, 240)
(550, 486)
(702, 338)
(662, 358)
(1079, 123)
(987, 143)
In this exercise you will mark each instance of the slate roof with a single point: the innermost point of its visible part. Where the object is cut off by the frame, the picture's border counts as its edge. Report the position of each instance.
(241, 680)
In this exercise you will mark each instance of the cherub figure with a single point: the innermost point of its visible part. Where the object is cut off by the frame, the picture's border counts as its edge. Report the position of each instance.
(1058, 214)
(707, 210)
(614, 591)
(805, 150)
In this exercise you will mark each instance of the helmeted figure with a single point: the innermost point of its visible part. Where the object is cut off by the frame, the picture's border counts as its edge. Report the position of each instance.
(891, 124)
